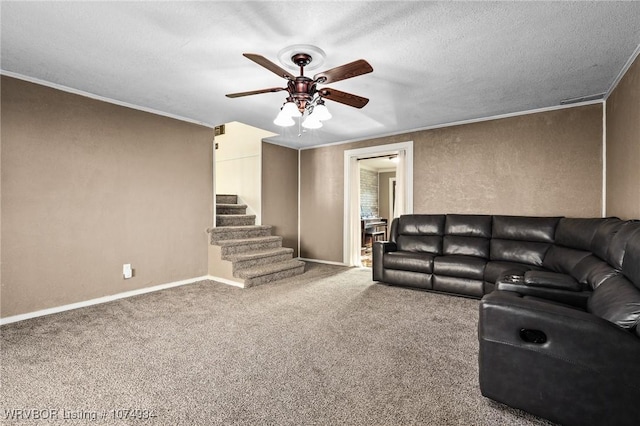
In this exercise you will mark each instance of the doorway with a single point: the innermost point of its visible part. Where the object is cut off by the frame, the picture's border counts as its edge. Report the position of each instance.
(354, 216)
(376, 201)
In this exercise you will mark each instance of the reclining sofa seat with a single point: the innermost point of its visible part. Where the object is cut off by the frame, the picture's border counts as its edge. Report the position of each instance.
(518, 244)
(568, 365)
(577, 261)
(415, 240)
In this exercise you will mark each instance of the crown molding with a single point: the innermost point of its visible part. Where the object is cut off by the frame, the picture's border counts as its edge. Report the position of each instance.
(622, 72)
(100, 98)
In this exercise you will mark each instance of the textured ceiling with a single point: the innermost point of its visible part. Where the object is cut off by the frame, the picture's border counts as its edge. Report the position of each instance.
(434, 62)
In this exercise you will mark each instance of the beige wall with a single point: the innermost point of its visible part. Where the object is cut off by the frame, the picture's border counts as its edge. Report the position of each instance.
(88, 186)
(280, 192)
(623, 146)
(547, 163)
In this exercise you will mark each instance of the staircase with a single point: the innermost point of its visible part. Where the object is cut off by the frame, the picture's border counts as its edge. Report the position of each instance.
(244, 253)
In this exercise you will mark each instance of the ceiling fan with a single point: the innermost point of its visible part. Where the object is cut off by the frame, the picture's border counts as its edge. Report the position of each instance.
(304, 95)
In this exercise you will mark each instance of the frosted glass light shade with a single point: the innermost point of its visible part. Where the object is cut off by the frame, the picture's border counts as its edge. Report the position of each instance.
(311, 123)
(291, 110)
(284, 120)
(321, 112)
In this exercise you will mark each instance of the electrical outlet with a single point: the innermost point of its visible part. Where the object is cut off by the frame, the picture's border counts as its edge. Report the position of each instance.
(127, 271)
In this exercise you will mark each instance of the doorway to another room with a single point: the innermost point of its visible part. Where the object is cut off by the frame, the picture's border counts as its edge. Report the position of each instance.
(377, 176)
(378, 187)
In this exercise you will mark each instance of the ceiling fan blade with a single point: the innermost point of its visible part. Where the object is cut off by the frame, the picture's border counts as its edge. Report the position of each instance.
(343, 97)
(255, 92)
(261, 60)
(352, 69)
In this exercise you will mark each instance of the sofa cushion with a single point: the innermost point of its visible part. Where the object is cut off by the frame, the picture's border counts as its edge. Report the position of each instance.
(468, 246)
(458, 285)
(563, 259)
(618, 301)
(631, 261)
(408, 278)
(468, 225)
(419, 243)
(615, 252)
(577, 233)
(497, 269)
(541, 229)
(592, 271)
(602, 238)
(421, 224)
(528, 252)
(551, 280)
(459, 266)
(408, 261)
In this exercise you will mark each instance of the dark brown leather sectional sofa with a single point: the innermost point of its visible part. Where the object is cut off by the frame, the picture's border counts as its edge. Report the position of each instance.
(560, 311)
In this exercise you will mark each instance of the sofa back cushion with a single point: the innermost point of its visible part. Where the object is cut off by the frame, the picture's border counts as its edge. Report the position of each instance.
(527, 252)
(467, 246)
(631, 261)
(420, 233)
(563, 259)
(577, 233)
(467, 235)
(421, 224)
(618, 301)
(616, 250)
(522, 239)
(603, 236)
(524, 228)
(468, 225)
(593, 271)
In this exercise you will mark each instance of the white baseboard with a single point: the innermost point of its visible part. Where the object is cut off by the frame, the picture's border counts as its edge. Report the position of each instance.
(105, 299)
(327, 262)
(225, 281)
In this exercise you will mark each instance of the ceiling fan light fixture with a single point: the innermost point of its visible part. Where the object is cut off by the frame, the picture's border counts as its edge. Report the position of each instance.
(283, 119)
(305, 98)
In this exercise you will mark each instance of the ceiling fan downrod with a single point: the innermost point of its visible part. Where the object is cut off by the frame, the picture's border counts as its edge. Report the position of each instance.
(302, 89)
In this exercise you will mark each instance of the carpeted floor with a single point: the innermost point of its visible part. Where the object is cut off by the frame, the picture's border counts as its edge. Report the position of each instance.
(326, 348)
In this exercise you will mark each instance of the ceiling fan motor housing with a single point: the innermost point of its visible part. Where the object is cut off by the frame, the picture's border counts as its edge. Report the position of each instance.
(301, 59)
(302, 90)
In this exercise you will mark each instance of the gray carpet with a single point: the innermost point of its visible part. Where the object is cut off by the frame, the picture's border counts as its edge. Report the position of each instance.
(325, 348)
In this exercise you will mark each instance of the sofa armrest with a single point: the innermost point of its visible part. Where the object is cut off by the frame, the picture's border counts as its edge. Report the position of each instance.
(557, 362)
(379, 249)
(569, 297)
(551, 280)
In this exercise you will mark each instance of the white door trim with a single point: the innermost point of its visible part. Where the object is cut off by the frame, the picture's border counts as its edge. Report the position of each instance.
(391, 199)
(380, 150)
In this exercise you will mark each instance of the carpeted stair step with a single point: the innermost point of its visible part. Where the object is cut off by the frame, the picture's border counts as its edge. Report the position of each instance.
(235, 219)
(226, 199)
(227, 209)
(229, 247)
(268, 273)
(238, 232)
(257, 258)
